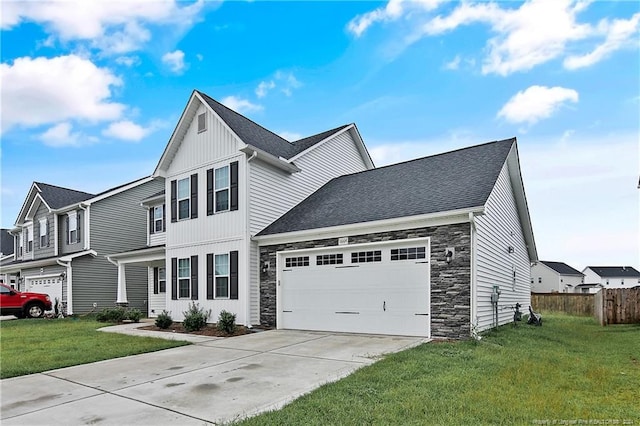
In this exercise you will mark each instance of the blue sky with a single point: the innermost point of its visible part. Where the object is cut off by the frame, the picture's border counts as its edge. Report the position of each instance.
(91, 92)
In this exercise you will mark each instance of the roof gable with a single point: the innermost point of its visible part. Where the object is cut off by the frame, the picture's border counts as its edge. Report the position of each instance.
(615, 271)
(54, 197)
(561, 268)
(451, 181)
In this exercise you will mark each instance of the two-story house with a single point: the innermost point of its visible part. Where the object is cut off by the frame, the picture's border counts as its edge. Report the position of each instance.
(555, 277)
(62, 237)
(596, 277)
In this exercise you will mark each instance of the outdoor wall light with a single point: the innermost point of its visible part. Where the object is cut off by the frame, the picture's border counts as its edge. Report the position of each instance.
(265, 267)
(62, 275)
(510, 249)
(449, 254)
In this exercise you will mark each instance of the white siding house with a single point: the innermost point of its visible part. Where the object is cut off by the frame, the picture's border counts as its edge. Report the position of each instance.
(555, 277)
(612, 276)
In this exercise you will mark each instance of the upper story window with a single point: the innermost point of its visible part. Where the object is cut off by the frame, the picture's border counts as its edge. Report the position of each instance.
(184, 278)
(202, 122)
(184, 201)
(29, 239)
(158, 215)
(222, 188)
(43, 233)
(73, 227)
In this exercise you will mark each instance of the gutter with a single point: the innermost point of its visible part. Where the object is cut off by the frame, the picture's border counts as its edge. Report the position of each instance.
(278, 162)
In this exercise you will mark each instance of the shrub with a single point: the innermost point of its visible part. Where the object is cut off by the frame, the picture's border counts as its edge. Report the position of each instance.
(116, 314)
(134, 315)
(164, 320)
(195, 318)
(226, 322)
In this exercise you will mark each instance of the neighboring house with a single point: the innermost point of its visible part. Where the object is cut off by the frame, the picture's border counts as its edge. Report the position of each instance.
(415, 248)
(227, 178)
(6, 256)
(62, 236)
(611, 276)
(555, 277)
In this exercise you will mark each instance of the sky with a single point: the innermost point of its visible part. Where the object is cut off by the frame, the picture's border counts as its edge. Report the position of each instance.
(91, 92)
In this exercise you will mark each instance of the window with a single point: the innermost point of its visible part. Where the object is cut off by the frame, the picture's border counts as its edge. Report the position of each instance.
(366, 256)
(184, 202)
(158, 214)
(222, 188)
(202, 122)
(222, 276)
(29, 239)
(162, 280)
(73, 227)
(291, 262)
(43, 233)
(20, 244)
(408, 253)
(184, 278)
(329, 259)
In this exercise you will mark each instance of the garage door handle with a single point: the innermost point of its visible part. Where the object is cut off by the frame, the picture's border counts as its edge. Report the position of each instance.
(287, 311)
(423, 262)
(348, 266)
(349, 313)
(422, 314)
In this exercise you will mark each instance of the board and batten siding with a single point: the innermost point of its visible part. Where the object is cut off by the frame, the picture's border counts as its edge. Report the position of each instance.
(157, 302)
(496, 230)
(46, 250)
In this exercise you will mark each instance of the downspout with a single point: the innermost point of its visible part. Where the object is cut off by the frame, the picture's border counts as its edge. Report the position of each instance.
(474, 298)
(248, 255)
(69, 279)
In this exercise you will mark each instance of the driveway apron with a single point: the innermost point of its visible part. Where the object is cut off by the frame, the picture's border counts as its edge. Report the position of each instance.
(213, 381)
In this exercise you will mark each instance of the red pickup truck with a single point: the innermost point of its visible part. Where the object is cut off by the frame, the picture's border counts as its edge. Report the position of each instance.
(21, 304)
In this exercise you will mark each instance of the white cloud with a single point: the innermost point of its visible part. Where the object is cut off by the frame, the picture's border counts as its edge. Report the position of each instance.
(61, 135)
(264, 87)
(287, 82)
(127, 130)
(240, 105)
(111, 26)
(175, 61)
(393, 10)
(618, 34)
(454, 64)
(536, 103)
(38, 91)
(127, 61)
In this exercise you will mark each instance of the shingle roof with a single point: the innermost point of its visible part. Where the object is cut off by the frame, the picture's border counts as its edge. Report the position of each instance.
(6, 242)
(57, 197)
(254, 134)
(562, 268)
(615, 271)
(455, 180)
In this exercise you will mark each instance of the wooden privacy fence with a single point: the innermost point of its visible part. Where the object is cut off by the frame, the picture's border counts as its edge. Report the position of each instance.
(569, 303)
(618, 306)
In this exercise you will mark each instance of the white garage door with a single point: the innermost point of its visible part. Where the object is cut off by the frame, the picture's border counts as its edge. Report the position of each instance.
(380, 288)
(48, 285)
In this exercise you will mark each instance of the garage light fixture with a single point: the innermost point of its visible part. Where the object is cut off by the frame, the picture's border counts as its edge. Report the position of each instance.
(265, 267)
(449, 253)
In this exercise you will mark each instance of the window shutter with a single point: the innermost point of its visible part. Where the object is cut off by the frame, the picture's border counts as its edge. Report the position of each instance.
(194, 196)
(210, 276)
(152, 225)
(233, 275)
(234, 186)
(164, 218)
(66, 228)
(174, 201)
(209, 192)
(194, 277)
(156, 281)
(78, 221)
(174, 278)
(48, 233)
(36, 231)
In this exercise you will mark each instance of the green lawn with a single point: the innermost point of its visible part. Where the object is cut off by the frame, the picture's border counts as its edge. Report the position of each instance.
(34, 345)
(569, 370)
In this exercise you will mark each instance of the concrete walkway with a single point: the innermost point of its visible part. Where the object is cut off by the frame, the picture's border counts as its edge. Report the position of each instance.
(213, 381)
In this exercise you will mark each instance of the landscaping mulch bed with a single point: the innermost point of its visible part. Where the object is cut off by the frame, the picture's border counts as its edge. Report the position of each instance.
(209, 330)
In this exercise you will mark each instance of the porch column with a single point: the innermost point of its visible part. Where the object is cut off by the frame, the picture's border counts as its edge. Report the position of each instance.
(122, 286)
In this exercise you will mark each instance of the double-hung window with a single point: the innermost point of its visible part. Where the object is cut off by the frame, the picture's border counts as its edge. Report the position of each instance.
(43, 232)
(222, 188)
(184, 202)
(184, 278)
(73, 227)
(222, 276)
(157, 218)
(162, 280)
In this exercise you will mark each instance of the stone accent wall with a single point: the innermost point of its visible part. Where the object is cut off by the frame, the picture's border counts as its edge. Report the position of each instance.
(450, 283)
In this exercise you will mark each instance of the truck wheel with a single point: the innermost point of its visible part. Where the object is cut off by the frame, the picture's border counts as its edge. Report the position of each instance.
(34, 310)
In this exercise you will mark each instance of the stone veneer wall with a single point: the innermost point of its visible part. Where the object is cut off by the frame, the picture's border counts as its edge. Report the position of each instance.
(450, 283)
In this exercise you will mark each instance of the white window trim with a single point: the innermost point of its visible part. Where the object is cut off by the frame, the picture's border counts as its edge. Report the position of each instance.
(73, 215)
(160, 280)
(224, 188)
(156, 220)
(188, 278)
(216, 276)
(21, 244)
(188, 197)
(204, 122)
(43, 226)
(29, 239)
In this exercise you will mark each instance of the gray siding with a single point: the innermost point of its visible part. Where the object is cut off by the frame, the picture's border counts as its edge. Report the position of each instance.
(72, 247)
(47, 250)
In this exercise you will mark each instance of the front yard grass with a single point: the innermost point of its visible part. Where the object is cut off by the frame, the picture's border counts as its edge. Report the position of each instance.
(569, 371)
(34, 345)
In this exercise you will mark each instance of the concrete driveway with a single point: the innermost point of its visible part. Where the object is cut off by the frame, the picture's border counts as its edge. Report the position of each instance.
(212, 381)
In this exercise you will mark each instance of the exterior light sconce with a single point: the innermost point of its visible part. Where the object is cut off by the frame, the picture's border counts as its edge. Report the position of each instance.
(449, 253)
(510, 249)
(265, 267)
(62, 275)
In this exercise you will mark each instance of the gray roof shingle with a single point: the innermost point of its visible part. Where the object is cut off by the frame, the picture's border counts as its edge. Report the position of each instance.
(562, 268)
(454, 180)
(57, 197)
(615, 271)
(305, 143)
